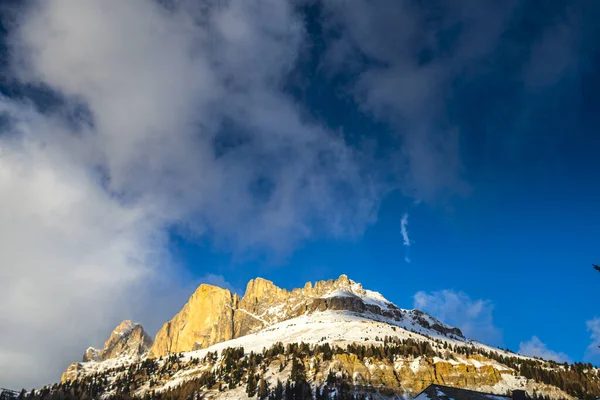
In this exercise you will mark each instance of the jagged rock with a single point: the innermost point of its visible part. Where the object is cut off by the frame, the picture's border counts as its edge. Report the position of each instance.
(423, 320)
(260, 295)
(213, 314)
(71, 373)
(206, 319)
(348, 303)
(91, 354)
(127, 339)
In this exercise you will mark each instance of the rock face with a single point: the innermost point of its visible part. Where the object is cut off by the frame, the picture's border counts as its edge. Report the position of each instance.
(207, 318)
(213, 315)
(127, 339)
(403, 378)
(71, 373)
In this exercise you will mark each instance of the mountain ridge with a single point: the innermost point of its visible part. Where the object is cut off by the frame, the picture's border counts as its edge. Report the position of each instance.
(341, 314)
(214, 314)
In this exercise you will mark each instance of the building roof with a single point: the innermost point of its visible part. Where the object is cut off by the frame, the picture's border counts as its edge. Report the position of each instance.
(439, 392)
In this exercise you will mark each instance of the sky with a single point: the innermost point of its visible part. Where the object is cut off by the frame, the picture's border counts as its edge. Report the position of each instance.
(443, 153)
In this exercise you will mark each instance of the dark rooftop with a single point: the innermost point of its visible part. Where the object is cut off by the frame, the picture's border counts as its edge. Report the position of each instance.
(439, 392)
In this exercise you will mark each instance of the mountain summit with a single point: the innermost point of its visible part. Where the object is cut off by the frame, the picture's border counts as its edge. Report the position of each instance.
(127, 339)
(332, 337)
(213, 315)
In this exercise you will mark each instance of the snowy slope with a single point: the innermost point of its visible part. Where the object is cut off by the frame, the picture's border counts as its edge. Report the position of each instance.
(334, 327)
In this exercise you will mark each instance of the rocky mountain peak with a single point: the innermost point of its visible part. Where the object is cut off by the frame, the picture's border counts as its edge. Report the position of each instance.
(125, 326)
(207, 318)
(343, 281)
(213, 314)
(260, 288)
(127, 339)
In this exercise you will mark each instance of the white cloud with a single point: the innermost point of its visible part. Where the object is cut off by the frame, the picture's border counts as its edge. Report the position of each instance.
(405, 238)
(536, 348)
(72, 259)
(473, 317)
(404, 230)
(171, 116)
(593, 350)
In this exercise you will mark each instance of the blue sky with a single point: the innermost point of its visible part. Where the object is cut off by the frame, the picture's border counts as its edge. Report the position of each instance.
(151, 146)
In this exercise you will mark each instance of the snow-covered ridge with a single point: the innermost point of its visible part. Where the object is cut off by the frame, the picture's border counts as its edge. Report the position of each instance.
(338, 328)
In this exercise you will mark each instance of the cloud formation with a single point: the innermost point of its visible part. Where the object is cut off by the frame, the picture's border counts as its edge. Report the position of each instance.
(593, 350)
(536, 348)
(426, 70)
(161, 115)
(70, 256)
(473, 317)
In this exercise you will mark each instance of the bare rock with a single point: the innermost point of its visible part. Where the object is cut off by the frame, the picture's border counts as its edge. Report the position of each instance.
(206, 319)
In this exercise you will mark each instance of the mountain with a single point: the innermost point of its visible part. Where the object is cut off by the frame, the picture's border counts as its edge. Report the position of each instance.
(333, 336)
(213, 315)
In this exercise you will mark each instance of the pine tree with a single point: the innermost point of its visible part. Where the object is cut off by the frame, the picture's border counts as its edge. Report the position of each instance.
(330, 377)
(251, 386)
(289, 390)
(278, 392)
(298, 374)
(263, 390)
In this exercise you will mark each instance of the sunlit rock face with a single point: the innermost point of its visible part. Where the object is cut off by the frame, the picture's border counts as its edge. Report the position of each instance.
(207, 318)
(213, 314)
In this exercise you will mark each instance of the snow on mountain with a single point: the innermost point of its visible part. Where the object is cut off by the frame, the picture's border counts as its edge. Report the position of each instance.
(339, 313)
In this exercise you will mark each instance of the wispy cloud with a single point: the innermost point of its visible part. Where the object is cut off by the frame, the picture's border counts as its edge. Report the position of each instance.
(593, 350)
(404, 230)
(473, 316)
(536, 348)
(406, 239)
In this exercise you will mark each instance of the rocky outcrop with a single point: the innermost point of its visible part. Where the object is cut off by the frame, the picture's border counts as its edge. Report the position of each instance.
(252, 313)
(71, 373)
(348, 303)
(127, 339)
(412, 376)
(206, 319)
